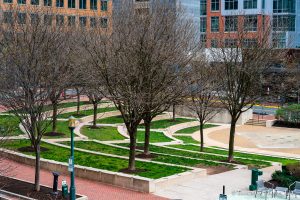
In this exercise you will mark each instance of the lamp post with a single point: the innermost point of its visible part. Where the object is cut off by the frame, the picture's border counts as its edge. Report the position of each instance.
(72, 125)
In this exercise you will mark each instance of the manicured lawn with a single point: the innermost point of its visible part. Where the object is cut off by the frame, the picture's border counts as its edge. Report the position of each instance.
(193, 129)
(61, 154)
(111, 120)
(284, 161)
(84, 113)
(154, 137)
(187, 139)
(62, 127)
(104, 133)
(205, 156)
(165, 123)
(11, 123)
(93, 146)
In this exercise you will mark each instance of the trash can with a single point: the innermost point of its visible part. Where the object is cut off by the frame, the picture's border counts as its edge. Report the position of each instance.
(64, 188)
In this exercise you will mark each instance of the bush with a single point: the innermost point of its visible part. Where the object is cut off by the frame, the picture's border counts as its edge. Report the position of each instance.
(294, 170)
(289, 114)
(283, 178)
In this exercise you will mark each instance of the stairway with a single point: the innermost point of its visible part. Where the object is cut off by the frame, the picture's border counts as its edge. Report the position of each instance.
(255, 122)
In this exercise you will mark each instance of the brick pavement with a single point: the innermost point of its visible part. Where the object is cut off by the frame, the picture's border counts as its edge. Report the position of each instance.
(92, 189)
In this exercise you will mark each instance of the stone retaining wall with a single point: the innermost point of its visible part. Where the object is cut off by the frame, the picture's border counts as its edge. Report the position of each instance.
(131, 182)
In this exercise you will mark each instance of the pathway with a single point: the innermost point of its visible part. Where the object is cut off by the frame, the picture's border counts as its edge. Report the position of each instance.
(92, 189)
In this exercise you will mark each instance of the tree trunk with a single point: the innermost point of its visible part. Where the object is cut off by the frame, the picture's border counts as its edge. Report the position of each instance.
(54, 117)
(174, 112)
(147, 136)
(131, 164)
(231, 140)
(37, 168)
(95, 114)
(78, 101)
(201, 138)
(65, 96)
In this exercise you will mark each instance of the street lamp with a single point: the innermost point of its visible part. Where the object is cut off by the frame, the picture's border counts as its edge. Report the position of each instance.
(72, 125)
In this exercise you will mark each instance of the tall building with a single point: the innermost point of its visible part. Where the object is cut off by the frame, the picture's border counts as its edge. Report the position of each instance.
(282, 15)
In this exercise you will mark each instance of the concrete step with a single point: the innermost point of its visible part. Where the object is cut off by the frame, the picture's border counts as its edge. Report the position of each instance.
(256, 122)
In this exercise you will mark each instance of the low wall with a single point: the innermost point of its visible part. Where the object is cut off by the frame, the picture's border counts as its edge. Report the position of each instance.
(270, 123)
(222, 117)
(131, 182)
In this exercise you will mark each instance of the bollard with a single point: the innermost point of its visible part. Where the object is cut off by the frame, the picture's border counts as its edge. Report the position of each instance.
(254, 177)
(55, 182)
(223, 196)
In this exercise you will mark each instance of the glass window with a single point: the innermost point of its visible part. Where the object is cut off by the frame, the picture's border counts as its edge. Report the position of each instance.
(47, 2)
(203, 24)
(249, 43)
(231, 4)
(59, 3)
(203, 40)
(82, 21)
(71, 3)
(214, 43)
(263, 4)
(21, 18)
(21, 1)
(203, 5)
(35, 2)
(250, 23)
(7, 1)
(215, 5)
(103, 5)
(48, 20)
(82, 4)
(250, 4)
(229, 43)
(34, 18)
(279, 40)
(284, 6)
(7, 17)
(93, 22)
(231, 23)
(71, 20)
(284, 22)
(93, 4)
(214, 24)
(60, 20)
(103, 22)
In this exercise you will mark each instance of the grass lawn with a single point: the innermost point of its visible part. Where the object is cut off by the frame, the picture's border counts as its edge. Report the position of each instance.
(62, 127)
(165, 123)
(193, 129)
(61, 154)
(284, 161)
(187, 139)
(208, 157)
(84, 113)
(154, 137)
(104, 133)
(11, 123)
(93, 146)
(111, 120)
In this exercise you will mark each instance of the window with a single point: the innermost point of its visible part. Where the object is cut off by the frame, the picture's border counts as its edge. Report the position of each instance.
(230, 43)
(284, 22)
(214, 43)
(7, 1)
(284, 6)
(71, 3)
(93, 4)
(21, 1)
(7, 17)
(279, 40)
(203, 40)
(71, 20)
(231, 23)
(214, 24)
(215, 5)
(103, 22)
(82, 4)
(263, 4)
(21, 18)
(93, 22)
(249, 43)
(203, 7)
(103, 5)
(231, 4)
(35, 2)
(82, 21)
(59, 3)
(203, 24)
(250, 23)
(34, 18)
(47, 2)
(48, 20)
(60, 20)
(250, 4)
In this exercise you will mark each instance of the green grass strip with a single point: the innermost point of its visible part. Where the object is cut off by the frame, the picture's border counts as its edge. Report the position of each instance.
(187, 139)
(154, 137)
(9, 125)
(61, 154)
(165, 123)
(61, 127)
(284, 161)
(111, 120)
(84, 113)
(193, 129)
(104, 133)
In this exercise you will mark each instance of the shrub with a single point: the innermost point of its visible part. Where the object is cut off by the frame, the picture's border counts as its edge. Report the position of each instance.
(283, 178)
(294, 170)
(289, 114)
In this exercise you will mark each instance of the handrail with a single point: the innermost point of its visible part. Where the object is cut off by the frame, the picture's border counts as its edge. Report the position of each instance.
(292, 185)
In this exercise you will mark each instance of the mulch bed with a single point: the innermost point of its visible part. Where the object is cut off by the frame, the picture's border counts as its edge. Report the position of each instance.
(31, 149)
(26, 189)
(53, 134)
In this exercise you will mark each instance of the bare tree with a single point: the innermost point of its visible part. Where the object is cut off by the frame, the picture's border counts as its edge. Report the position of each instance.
(95, 98)
(28, 50)
(203, 93)
(241, 60)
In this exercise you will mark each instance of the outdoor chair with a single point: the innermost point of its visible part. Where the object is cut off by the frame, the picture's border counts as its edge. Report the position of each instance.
(262, 189)
(296, 190)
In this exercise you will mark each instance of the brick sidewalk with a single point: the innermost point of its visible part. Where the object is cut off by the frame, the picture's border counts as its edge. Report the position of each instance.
(94, 190)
